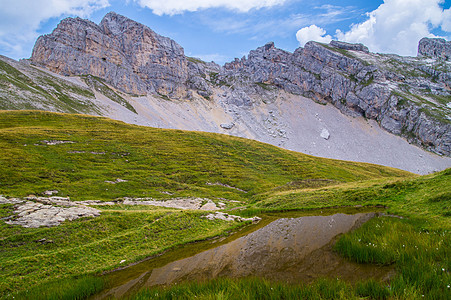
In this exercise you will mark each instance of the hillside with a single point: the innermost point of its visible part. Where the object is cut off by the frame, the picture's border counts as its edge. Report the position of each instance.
(88, 151)
(287, 121)
(117, 148)
(94, 158)
(123, 70)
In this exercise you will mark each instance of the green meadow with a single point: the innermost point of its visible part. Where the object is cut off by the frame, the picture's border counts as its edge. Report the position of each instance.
(164, 164)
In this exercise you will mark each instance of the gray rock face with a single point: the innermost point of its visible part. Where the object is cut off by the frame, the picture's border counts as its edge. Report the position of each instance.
(124, 53)
(438, 48)
(348, 46)
(407, 96)
(36, 212)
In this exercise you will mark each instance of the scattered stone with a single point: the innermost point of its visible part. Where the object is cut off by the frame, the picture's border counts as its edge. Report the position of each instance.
(325, 134)
(226, 217)
(179, 203)
(227, 125)
(45, 241)
(50, 193)
(122, 261)
(225, 185)
(210, 205)
(118, 180)
(55, 142)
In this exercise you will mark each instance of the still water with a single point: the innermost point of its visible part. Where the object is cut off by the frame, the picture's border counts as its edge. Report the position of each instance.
(288, 249)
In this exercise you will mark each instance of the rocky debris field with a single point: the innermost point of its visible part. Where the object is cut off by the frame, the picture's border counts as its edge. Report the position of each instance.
(34, 212)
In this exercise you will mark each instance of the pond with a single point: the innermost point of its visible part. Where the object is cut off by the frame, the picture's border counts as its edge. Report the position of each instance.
(287, 249)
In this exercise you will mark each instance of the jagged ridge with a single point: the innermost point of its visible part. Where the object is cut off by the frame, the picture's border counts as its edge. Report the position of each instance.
(407, 96)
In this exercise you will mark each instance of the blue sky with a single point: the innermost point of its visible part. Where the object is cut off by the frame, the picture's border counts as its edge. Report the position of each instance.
(221, 30)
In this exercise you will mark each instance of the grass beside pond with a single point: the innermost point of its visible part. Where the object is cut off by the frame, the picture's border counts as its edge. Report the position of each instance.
(35, 256)
(427, 197)
(422, 257)
(156, 163)
(256, 288)
(64, 289)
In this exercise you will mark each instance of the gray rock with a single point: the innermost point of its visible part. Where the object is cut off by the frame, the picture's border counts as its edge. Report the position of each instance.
(227, 125)
(386, 88)
(32, 214)
(227, 217)
(325, 134)
(349, 46)
(437, 48)
(124, 53)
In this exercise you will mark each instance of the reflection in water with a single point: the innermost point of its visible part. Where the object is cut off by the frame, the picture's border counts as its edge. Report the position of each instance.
(290, 250)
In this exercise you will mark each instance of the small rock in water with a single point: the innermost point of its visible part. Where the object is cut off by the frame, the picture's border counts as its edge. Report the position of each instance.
(325, 134)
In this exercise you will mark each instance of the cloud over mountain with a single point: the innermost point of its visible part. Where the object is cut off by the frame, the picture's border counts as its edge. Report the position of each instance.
(395, 26)
(171, 7)
(22, 18)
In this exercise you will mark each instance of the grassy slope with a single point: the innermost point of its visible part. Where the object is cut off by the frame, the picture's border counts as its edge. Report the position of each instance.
(418, 246)
(155, 160)
(152, 160)
(46, 91)
(426, 197)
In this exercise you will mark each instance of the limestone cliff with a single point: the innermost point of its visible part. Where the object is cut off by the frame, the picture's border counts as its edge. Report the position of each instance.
(407, 96)
(124, 53)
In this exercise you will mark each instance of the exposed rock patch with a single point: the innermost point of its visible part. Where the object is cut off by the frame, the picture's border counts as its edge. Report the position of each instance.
(31, 214)
(179, 203)
(226, 217)
(54, 142)
(225, 185)
(118, 180)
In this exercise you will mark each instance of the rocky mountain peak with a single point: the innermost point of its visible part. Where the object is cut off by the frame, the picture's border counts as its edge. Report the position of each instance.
(436, 48)
(124, 53)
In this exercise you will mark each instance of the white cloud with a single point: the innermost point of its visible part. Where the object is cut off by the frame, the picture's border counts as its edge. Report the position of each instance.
(312, 33)
(20, 19)
(396, 26)
(172, 7)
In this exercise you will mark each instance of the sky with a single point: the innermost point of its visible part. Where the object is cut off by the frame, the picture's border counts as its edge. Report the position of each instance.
(220, 30)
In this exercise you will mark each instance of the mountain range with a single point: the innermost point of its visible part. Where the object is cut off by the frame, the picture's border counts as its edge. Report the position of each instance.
(335, 100)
